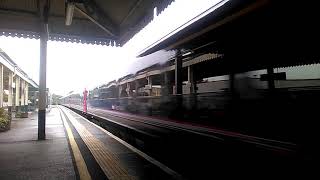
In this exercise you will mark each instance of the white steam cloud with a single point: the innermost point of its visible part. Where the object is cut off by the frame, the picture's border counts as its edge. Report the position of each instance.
(159, 57)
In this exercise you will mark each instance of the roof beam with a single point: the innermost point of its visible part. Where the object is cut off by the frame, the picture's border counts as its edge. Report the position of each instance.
(18, 11)
(94, 21)
(96, 13)
(131, 11)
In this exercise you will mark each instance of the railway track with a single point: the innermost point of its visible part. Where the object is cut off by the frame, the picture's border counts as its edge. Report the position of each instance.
(171, 143)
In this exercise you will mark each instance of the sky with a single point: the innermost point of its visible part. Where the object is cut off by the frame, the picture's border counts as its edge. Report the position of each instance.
(73, 66)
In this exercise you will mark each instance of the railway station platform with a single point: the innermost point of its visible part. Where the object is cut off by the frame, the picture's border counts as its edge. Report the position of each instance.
(22, 156)
(74, 148)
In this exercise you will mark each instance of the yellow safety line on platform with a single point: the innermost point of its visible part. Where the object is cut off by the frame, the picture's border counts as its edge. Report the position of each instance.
(80, 163)
(163, 167)
(109, 162)
(166, 169)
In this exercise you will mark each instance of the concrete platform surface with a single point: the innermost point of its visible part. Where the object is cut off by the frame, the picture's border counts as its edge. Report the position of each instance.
(23, 157)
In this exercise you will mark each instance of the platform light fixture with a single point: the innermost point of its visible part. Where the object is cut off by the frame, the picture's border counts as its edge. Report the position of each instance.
(69, 13)
(155, 12)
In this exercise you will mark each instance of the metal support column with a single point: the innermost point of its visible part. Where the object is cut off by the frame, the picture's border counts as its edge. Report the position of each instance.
(166, 78)
(26, 101)
(178, 73)
(191, 80)
(10, 95)
(270, 78)
(149, 78)
(166, 84)
(232, 84)
(128, 90)
(1, 86)
(10, 89)
(193, 88)
(120, 91)
(136, 87)
(17, 98)
(22, 83)
(178, 84)
(43, 72)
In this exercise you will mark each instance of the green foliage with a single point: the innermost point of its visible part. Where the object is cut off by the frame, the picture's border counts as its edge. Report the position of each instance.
(55, 99)
(4, 119)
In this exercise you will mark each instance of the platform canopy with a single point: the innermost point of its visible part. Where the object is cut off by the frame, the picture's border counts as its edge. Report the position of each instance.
(201, 27)
(106, 22)
(251, 34)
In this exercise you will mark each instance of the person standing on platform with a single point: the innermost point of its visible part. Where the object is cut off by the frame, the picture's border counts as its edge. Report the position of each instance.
(85, 93)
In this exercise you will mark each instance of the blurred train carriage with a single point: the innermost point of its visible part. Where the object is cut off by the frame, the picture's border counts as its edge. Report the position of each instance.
(242, 72)
(211, 100)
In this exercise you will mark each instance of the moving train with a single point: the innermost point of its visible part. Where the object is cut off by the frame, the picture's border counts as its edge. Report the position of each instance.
(243, 101)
